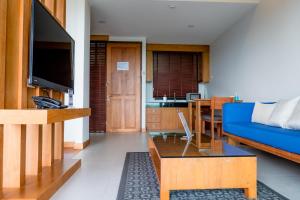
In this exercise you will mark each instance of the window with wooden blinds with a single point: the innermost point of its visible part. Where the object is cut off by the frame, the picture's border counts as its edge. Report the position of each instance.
(98, 86)
(175, 73)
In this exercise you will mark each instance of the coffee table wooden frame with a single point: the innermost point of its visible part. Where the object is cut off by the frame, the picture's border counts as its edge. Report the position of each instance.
(204, 173)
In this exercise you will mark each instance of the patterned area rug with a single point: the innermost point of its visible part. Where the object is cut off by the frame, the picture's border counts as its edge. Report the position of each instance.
(139, 182)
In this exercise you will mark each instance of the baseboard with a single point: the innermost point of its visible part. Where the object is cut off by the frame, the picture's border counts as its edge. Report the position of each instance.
(81, 145)
(68, 144)
(78, 146)
(144, 130)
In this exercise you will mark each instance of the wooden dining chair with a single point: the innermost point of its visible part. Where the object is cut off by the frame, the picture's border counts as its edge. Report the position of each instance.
(215, 116)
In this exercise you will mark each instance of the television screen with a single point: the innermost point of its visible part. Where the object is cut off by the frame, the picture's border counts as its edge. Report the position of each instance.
(51, 51)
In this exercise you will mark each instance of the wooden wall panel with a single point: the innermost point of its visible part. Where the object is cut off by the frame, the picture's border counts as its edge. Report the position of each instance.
(100, 38)
(3, 9)
(59, 141)
(31, 92)
(177, 47)
(3, 13)
(55, 94)
(17, 54)
(18, 21)
(206, 68)
(14, 52)
(149, 72)
(61, 11)
(14, 93)
(14, 156)
(25, 55)
(33, 149)
(48, 145)
(51, 5)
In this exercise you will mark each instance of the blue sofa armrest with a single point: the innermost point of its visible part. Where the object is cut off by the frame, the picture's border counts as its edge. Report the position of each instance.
(237, 112)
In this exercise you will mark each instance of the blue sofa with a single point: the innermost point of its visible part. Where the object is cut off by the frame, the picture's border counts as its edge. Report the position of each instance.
(237, 125)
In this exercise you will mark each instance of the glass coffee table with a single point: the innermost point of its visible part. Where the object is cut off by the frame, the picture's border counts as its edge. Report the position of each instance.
(180, 165)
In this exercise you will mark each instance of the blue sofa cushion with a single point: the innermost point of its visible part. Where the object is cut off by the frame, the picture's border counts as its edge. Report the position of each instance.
(284, 139)
(237, 112)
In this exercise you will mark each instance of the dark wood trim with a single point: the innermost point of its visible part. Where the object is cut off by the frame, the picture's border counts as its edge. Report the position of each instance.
(178, 47)
(101, 38)
(278, 152)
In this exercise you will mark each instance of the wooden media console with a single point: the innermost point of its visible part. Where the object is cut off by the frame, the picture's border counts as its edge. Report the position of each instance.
(33, 155)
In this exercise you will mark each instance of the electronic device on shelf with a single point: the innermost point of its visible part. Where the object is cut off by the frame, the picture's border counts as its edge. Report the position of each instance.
(43, 102)
(192, 96)
(51, 54)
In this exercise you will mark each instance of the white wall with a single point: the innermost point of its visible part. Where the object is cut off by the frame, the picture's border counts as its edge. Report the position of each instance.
(78, 26)
(259, 58)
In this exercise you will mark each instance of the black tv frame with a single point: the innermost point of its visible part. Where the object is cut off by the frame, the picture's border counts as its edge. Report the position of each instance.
(37, 81)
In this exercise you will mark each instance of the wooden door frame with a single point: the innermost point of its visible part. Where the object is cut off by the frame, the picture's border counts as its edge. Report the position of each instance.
(138, 87)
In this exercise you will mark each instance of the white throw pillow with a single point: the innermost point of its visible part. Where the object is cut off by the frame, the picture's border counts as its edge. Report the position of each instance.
(294, 120)
(262, 112)
(282, 112)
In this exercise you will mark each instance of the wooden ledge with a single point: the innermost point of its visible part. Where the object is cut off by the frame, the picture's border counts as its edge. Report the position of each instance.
(41, 116)
(45, 185)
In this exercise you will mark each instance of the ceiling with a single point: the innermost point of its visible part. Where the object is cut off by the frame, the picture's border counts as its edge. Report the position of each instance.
(168, 21)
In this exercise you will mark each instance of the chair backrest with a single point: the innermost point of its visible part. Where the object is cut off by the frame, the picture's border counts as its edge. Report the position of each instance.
(218, 102)
(185, 126)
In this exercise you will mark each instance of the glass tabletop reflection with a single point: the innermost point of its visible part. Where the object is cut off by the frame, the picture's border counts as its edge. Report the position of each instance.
(175, 145)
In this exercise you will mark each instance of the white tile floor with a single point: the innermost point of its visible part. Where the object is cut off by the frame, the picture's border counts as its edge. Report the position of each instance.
(102, 164)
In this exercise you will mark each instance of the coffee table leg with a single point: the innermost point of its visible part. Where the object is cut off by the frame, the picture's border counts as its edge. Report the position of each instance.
(164, 194)
(251, 193)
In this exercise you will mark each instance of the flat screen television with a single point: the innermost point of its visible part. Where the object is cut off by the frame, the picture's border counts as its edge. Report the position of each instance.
(51, 59)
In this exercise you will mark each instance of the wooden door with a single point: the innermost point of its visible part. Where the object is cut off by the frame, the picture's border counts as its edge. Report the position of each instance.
(123, 87)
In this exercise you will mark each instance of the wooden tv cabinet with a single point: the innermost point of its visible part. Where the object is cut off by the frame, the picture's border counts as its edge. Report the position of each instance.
(33, 155)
